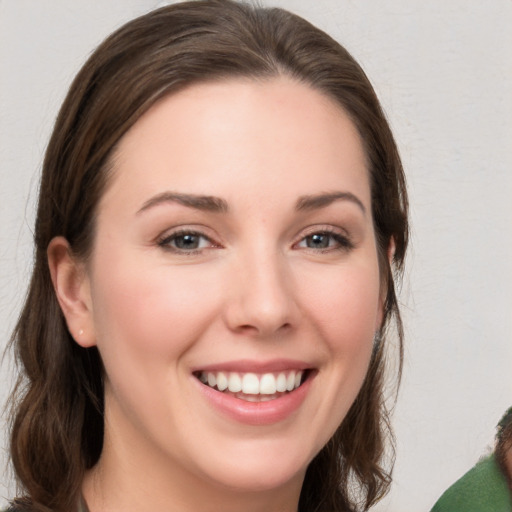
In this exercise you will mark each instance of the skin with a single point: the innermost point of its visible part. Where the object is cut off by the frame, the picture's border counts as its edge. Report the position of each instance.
(258, 288)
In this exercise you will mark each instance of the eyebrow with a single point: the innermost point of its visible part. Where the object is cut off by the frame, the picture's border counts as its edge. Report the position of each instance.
(317, 201)
(218, 205)
(199, 202)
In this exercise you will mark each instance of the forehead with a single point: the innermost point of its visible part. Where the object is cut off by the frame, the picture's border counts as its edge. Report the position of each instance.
(242, 137)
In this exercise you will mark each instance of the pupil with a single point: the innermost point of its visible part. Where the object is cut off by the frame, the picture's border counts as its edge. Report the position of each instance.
(187, 242)
(319, 241)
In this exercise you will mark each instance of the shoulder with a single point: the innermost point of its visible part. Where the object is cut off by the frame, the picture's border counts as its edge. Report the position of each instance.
(482, 489)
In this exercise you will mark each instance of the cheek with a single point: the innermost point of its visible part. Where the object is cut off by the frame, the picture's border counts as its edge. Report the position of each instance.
(147, 320)
(155, 312)
(347, 307)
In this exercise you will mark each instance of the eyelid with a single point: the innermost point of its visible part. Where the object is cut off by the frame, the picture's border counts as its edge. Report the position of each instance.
(323, 228)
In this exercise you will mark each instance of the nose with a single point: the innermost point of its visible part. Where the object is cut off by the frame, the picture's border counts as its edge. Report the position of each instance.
(262, 300)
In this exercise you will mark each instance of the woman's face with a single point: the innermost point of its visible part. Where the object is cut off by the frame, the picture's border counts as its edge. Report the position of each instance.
(234, 249)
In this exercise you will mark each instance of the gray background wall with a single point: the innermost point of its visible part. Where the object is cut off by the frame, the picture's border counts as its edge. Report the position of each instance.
(443, 70)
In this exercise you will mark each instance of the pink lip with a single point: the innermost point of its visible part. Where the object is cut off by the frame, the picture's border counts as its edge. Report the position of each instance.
(256, 413)
(245, 366)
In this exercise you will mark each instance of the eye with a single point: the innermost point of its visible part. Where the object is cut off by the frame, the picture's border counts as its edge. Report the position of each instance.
(325, 241)
(186, 242)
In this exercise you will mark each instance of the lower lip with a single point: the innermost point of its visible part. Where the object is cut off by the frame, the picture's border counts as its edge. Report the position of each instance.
(256, 413)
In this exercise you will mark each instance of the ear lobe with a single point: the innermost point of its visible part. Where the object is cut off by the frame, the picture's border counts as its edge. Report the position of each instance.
(71, 285)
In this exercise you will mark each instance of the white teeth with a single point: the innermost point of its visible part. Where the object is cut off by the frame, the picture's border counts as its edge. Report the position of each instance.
(267, 398)
(266, 384)
(281, 383)
(234, 383)
(251, 398)
(290, 381)
(250, 384)
(222, 381)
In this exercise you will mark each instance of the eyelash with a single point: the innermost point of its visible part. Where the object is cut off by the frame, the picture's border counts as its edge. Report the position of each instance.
(342, 242)
(166, 241)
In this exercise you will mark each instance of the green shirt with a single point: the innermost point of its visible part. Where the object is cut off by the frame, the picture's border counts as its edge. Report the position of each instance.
(482, 489)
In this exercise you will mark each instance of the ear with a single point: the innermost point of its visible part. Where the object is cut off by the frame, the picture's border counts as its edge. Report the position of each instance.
(390, 253)
(72, 288)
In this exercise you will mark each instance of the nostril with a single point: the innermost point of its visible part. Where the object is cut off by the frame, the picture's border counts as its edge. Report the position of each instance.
(262, 330)
(247, 328)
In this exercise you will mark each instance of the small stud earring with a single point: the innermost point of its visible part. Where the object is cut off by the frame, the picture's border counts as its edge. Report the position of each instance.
(80, 332)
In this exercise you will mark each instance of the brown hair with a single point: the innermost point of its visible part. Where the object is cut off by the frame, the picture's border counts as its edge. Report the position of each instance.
(57, 425)
(504, 446)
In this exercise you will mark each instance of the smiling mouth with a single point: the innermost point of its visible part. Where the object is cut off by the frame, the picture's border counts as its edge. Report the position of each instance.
(254, 387)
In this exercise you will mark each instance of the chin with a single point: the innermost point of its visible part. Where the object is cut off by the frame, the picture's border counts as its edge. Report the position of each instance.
(266, 471)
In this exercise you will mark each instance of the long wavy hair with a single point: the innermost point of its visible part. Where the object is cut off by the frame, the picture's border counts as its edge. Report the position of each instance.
(57, 405)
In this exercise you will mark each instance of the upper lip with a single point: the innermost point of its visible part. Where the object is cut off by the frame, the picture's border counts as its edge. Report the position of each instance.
(254, 366)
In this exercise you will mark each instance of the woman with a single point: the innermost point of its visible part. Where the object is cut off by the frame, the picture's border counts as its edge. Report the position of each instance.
(221, 209)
